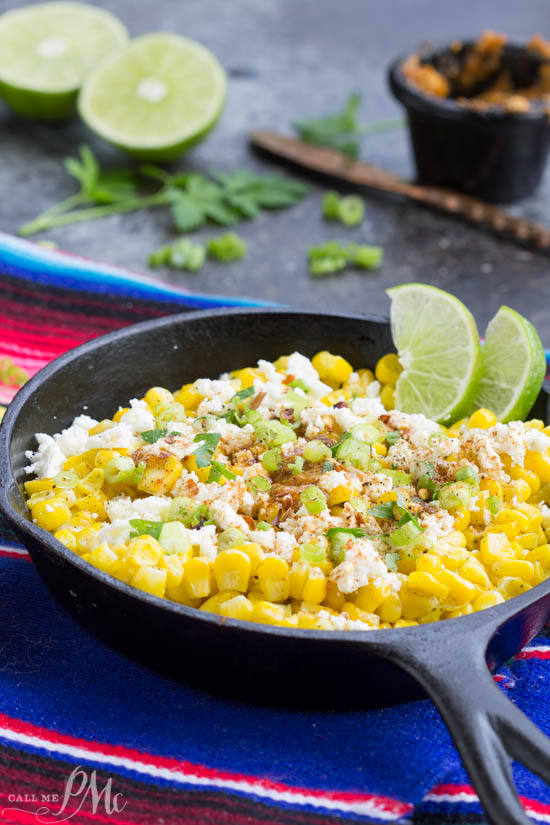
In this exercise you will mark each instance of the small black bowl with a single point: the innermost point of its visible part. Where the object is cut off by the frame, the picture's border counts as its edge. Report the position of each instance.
(495, 155)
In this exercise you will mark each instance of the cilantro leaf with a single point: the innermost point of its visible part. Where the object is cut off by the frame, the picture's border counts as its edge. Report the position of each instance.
(339, 131)
(384, 510)
(150, 436)
(242, 394)
(146, 528)
(392, 560)
(392, 437)
(358, 532)
(203, 455)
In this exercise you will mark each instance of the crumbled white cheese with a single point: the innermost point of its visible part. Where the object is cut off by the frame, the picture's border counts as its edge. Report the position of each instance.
(536, 440)
(509, 439)
(301, 367)
(205, 539)
(152, 508)
(139, 417)
(371, 407)
(225, 516)
(285, 544)
(344, 417)
(436, 525)
(339, 478)
(119, 435)
(48, 460)
(361, 565)
(118, 532)
(232, 437)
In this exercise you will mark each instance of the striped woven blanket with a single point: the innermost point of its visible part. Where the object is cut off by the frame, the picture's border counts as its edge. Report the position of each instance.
(89, 736)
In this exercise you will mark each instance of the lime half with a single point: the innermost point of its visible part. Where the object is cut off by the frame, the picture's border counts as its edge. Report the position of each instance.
(155, 98)
(46, 51)
(438, 347)
(514, 366)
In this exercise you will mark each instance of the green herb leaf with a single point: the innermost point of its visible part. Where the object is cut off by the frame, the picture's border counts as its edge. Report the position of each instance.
(384, 510)
(392, 560)
(203, 455)
(338, 131)
(146, 528)
(392, 437)
(217, 471)
(153, 435)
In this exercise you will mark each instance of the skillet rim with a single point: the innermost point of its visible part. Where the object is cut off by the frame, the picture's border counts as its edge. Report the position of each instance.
(491, 623)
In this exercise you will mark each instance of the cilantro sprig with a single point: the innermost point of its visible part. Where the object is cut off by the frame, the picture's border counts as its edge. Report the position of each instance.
(203, 455)
(192, 198)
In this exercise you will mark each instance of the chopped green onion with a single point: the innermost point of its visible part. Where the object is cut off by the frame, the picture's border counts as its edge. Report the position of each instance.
(366, 432)
(272, 460)
(399, 478)
(454, 495)
(405, 534)
(174, 538)
(67, 479)
(433, 438)
(317, 451)
(296, 402)
(260, 483)
(274, 433)
(164, 413)
(364, 256)
(351, 210)
(227, 247)
(469, 475)
(494, 505)
(298, 465)
(312, 553)
(339, 538)
(230, 538)
(351, 451)
(392, 437)
(426, 478)
(217, 470)
(146, 528)
(190, 514)
(299, 384)
(313, 499)
(121, 469)
(329, 206)
(264, 525)
(327, 465)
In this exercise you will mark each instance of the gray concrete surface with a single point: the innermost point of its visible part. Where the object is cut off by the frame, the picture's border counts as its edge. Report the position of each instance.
(289, 59)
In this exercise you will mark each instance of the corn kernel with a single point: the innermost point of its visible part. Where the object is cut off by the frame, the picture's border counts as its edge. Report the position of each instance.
(334, 598)
(255, 555)
(538, 463)
(39, 485)
(332, 369)
(482, 419)
(102, 557)
(50, 514)
(338, 495)
(188, 397)
(462, 518)
(391, 609)
(540, 554)
(202, 472)
(94, 503)
(297, 578)
(388, 369)
(144, 550)
(426, 583)
(370, 596)
(174, 569)
(123, 569)
(159, 480)
(493, 487)
(180, 594)
(268, 613)
(119, 413)
(239, 607)
(528, 541)
(474, 572)
(158, 395)
(232, 570)
(103, 457)
(460, 611)
(274, 579)
(199, 578)
(416, 604)
(150, 579)
(387, 397)
(516, 568)
(315, 588)
(460, 589)
(66, 537)
(488, 599)
(518, 473)
(86, 539)
(406, 623)
(429, 563)
(511, 586)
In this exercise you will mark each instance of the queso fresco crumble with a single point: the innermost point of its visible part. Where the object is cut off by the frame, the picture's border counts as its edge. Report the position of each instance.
(292, 494)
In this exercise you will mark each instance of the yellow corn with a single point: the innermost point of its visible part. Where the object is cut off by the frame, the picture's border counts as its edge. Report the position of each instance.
(338, 495)
(188, 397)
(390, 610)
(315, 588)
(511, 586)
(474, 572)
(159, 480)
(94, 503)
(66, 537)
(150, 579)
(174, 569)
(202, 472)
(102, 557)
(388, 369)
(540, 554)
(119, 413)
(232, 570)
(516, 568)
(334, 599)
(488, 599)
(255, 555)
(238, 607)
(482, 419)
(144, 550)
(426, 583)
(415, 603)
(267, 613)
(274, 579)
(332, 369)
(539, 464)
(39, 485)
(460, 589)
(387, 397)
(50, 514)
(370, 596)
(199, 578)
(158, 395)
(104, 456)
(297, 578)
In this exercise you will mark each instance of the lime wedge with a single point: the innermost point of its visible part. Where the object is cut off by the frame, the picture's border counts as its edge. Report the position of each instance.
(155, 98)
(514, 366)
(45, 52)
(438, 347)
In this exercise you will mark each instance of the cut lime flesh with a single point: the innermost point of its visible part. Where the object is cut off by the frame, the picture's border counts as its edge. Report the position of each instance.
(514, 366)
(438, 346)
(47, 49)
(155, 98)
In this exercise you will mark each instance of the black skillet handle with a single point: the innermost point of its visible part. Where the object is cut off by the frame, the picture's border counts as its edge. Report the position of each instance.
(489, 731)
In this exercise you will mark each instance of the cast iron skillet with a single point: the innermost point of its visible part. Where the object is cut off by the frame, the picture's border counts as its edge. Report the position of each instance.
(450, 660)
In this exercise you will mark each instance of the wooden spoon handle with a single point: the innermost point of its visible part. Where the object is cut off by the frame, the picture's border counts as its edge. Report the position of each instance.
(333, 163)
